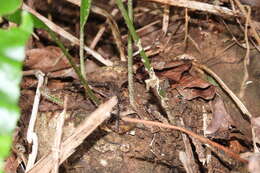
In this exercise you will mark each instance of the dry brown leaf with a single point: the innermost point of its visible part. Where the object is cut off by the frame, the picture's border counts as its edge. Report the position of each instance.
(162, 65)
(175, 74)
(192, 93)
(46, 59)
(221, 120)
(69, 72)
(189, 81)
(235, 146)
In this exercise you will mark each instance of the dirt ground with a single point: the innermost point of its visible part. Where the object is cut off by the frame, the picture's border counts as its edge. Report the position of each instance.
(195, 98)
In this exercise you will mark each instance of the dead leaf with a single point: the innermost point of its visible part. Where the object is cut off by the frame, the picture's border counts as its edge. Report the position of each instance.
(221, 120)
(235, 146)
(46, 59)
(69, 72)
(189, 81)
(175, 74)
(162, 65)
(192, 93)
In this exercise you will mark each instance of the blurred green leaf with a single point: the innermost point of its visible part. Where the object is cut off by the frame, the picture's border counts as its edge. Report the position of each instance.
(84, 12)
(5, 143)
(16, 18)
(212, 81)
(12, 54)
(9, 6)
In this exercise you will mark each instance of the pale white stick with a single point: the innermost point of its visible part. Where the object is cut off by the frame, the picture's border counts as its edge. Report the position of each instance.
(69, 145)
(223, 11)
(31, 135)
(58, 136)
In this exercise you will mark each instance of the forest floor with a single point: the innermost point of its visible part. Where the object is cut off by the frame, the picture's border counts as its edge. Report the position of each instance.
(194, 53)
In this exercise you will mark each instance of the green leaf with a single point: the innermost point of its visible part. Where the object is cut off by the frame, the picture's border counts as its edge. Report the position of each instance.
(9, 6)
(212, 81)
(12, 54)
(5, 142)
(84, 12)
(16, 18)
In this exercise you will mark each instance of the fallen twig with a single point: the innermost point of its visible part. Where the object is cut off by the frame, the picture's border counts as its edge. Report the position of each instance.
(238, 102)
(130, 58)
(68, 146)
(192, 134)
(57, 29)
(31, 135)
(113, 26)
(187, 157)
(58, 136)
(165, 23)
(222, 11)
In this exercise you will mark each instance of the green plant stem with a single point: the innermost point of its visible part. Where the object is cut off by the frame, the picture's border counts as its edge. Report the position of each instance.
(134, 35)
(81, 53)
(88, 91)
(84, 13)
(130, 57)
(153, 80)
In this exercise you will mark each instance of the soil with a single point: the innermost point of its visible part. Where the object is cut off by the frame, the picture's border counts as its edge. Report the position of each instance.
(193, 95)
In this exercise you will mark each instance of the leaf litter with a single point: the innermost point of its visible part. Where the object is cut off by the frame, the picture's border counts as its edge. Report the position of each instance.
(148, 149)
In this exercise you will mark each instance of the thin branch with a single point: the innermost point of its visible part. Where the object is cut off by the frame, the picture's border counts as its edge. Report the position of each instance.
(58, 136)
(59, 30)
(190, 133)
(130, 57)
(166, 14)
(31, 135)
(112, 23)
(222, 11)
(238, 102)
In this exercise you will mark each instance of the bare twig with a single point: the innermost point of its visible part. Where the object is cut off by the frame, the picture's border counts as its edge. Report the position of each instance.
(101, 30)
(112, 23)
(190, 133)
(186, 27)
(222, 11)
(165, 23)
(185, 161)
(58, 136)
(59, 30)
(140, 30)
(198, 6)
(238, 102)
(130, 58)
(83, 130)
(190, 160)
(246, 58)
(248, 20)
(31, 135)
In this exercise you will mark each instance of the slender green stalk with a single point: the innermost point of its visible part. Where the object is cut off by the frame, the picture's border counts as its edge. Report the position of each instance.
(153, 80)
(130, 57)
(88, 91)
(84, 13)
(81, 53)
(134, 35)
